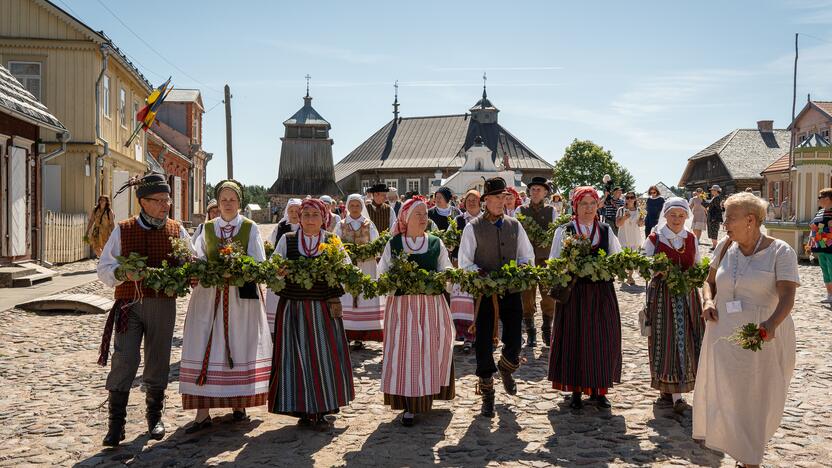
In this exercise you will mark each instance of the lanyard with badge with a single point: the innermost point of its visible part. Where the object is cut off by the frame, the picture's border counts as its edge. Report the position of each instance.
(735, 306)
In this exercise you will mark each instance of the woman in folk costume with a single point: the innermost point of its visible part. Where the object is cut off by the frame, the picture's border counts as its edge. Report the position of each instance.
(100, 225)
(289, 223)
(462, 303)
(226, 348)
(334, 218)
(513, 201)
(418, 331)
(586, 348)
(676, 323)
(363, 318)
(311, 370)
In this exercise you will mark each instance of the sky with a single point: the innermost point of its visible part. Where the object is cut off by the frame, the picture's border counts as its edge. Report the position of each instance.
(651, 82)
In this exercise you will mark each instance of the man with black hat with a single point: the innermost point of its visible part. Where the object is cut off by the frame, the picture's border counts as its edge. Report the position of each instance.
(488, 242)
(139, 311)
(443, 212)
(381, 214)
(537, 211)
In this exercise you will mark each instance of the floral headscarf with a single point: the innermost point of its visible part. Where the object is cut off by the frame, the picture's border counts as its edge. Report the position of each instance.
(404, 214)
(320, 206)
(580, 192)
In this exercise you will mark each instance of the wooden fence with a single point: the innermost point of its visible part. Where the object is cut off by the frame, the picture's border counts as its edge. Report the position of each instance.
(64, 237)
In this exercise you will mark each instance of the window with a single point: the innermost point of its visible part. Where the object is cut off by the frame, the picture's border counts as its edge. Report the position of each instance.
(414, 185)
(825, 133)
(434, 184)
(320, 133)
(776, 194)
(195, 129)
(135, 112)
(28, 74)
(122, 107)
(392, 183)
(105, 99)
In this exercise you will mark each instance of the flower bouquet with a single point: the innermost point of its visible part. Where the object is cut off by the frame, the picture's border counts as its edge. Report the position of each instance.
(269, 248)
(511, 277)
(451, 236)
(329, 267)
(749, 336)
(360, 253)
(406, 277)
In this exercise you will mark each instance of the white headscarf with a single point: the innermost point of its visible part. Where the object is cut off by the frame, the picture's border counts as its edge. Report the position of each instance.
(290, 203)
(360, 199)
(671, 203)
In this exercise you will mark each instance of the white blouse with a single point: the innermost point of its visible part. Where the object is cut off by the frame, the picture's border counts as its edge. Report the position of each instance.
(560, 234)
(386, 260)
(670, 239)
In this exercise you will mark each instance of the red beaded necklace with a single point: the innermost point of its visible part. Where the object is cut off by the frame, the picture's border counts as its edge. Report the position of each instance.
(310, 251)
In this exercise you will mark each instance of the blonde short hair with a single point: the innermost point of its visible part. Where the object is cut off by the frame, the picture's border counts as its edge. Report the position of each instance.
(750, 203)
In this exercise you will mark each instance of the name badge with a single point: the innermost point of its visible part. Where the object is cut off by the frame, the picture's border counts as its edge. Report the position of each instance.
(734, 307)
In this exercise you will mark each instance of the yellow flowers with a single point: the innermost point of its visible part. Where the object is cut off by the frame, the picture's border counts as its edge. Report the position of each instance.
(332, 247)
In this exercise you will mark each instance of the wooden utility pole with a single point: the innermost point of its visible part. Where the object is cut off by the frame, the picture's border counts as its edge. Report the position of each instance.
(792, 188)
(228, 132)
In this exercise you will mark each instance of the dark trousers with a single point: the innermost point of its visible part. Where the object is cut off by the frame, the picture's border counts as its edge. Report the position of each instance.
(511, 316)
(152, 319)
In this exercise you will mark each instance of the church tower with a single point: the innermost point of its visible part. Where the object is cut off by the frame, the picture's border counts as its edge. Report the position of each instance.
(306, 166)
(483, 111)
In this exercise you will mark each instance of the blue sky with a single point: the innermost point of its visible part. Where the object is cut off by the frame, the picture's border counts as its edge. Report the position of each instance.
(650, 82)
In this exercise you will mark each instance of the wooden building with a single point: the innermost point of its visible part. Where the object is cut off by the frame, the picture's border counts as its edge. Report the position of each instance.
(735, 161)
(22, 118)
(91, 86)
(414, 154)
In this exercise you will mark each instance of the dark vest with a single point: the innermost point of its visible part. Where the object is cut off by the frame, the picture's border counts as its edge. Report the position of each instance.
(426, 261)
(495, 246)
(212, 242)
(380, 216)
(543, 217)
(320, 291)
(283, 228)
(442, 222)
(151, 243)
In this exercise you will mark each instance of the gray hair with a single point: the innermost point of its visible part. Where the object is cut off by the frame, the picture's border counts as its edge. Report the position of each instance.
(750, 204)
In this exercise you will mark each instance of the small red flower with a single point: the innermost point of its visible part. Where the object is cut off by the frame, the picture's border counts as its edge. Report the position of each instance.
(763, 333)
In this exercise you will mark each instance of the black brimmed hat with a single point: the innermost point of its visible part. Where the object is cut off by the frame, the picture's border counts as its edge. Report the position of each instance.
(494, 186)
(378, 188)
(540, 181)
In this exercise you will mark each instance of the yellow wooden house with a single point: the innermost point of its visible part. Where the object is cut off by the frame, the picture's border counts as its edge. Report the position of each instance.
(91, 86)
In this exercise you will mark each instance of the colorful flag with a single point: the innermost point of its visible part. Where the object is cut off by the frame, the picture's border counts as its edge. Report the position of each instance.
(147, 114)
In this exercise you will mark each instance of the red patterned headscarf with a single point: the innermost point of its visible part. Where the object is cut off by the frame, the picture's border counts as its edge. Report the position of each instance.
(580, 192)
(404, 214)
(517, 200)
(320, 206)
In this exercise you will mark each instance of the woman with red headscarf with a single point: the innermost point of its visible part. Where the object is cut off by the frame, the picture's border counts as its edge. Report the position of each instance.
(512, 200)
(311, 372)
(418, 331)
(585, 356)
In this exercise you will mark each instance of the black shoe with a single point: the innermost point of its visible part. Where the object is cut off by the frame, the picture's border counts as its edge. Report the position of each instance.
(304, 421)
(576, 403)
(357, 345)
(321, 424)
(117, 405)
(466, 347)
(531, 342)
(680, 406)
(486, 389)
(239, 416)
(197, 426)
(407, 421)
(601, 401)
(155, 400)
(506, 370)
(547, 336)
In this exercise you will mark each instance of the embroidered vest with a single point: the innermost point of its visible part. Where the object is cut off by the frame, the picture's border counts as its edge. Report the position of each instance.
(151, 243)
(426, 261)
(684, 259)
(380, 216)
(360, 236)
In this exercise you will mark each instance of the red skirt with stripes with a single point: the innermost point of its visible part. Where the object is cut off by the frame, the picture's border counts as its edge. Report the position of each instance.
(586, 349)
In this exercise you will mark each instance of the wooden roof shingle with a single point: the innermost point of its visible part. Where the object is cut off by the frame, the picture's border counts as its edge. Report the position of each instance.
(19, 103)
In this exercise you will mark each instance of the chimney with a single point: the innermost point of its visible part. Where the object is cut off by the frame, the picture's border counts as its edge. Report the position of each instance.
(765, 126)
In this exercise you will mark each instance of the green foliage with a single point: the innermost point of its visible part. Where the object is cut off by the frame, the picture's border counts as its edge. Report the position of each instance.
(360, 253)
(537, 235)
(451, 236)
(251, 194)
(585, 163)
(406, 277)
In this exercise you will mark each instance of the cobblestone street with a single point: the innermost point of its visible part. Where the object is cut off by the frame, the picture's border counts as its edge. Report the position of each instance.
(52, 409)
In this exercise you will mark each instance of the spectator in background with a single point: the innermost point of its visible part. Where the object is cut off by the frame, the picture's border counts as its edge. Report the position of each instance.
(820, 239)
(715, 209)
(654, 208)
(393, 200)
(700, 216)
(612, 202)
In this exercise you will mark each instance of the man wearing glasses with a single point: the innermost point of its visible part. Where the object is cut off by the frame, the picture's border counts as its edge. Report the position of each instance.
(139, 311)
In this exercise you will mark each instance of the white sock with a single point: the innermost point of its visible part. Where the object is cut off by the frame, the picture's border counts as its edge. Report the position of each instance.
(676, 397)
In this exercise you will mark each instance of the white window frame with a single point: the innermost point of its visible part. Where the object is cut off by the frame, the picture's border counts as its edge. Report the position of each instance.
(24, 79)
(434, 184)
(418, 185)
(122, 106)
(195, 128)
(105, 91)
(392, 183)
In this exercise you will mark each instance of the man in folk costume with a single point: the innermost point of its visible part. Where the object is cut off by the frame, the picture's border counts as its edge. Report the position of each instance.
(311, 370)
(488, 242)
(417, 367)
(226, 347)
(363, 318)
(381, 214)
(585, 356)
(539, 212)
(442, 213)
(139, 311)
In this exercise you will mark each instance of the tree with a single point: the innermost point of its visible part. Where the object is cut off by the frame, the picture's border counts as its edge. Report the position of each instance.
(251, 194)
(585, 163)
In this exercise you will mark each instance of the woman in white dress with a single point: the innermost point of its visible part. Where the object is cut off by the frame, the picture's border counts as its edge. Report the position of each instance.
(363, 318)
(289, 223)
(740, 394)
(630, 227)
(226, 347)
(700, 216)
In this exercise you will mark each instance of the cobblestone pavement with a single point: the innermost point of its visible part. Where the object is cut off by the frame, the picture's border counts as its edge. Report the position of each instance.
(52, 413)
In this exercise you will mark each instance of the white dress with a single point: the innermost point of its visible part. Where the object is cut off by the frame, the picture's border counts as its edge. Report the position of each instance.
(249, 343)
(740, 394)
(631, 235)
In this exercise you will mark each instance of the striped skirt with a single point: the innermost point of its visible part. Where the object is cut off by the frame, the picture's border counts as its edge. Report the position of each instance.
(586, 341)
(364, 318)
(418, 349)
(462, 313)
(226, 340)
(311, 370)
(675, 338)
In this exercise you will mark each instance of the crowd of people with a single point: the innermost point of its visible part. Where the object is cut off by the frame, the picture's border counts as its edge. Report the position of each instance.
(289, 350)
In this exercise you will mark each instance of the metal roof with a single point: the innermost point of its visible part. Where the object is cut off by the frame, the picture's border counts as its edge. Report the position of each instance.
(19, 103)
(307, 115)
(435, 142)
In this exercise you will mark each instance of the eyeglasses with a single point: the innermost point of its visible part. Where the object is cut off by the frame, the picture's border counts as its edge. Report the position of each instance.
(161, 201)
